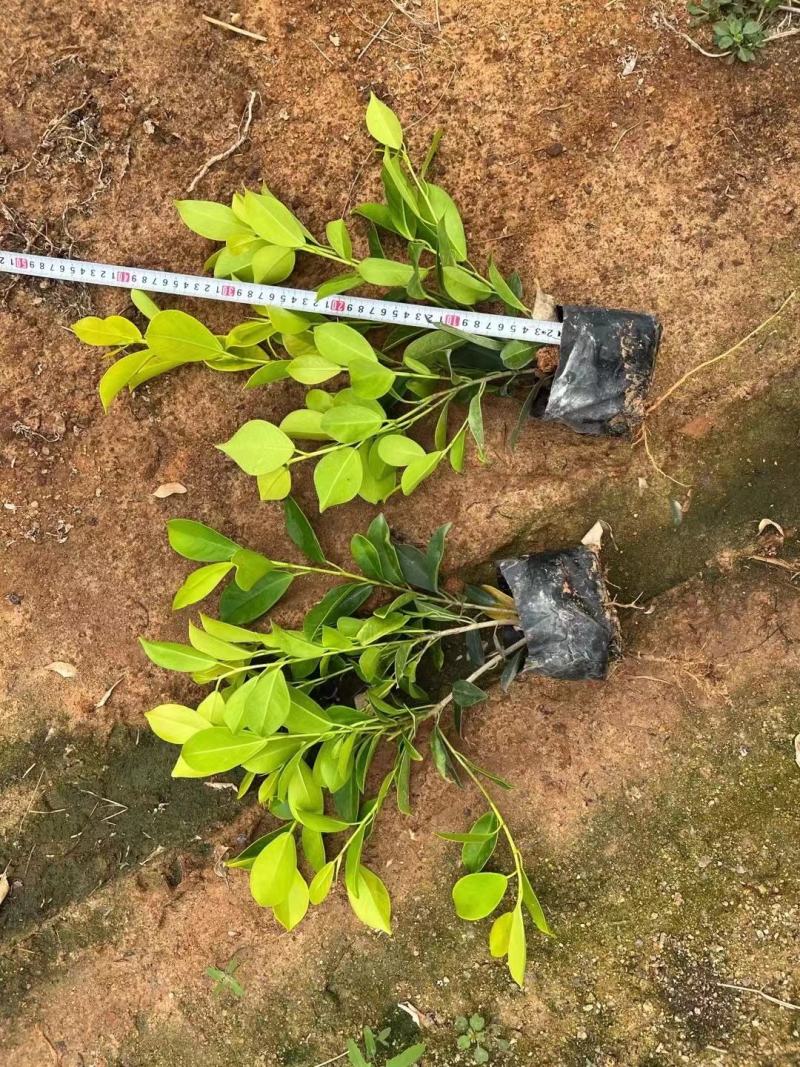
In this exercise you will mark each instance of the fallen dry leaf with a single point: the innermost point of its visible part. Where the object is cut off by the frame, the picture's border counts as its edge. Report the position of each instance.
(168, 489)
(797, 749)
(66, 670)
(594, 538)
(4, 886)
(766, 524)
(101, 703)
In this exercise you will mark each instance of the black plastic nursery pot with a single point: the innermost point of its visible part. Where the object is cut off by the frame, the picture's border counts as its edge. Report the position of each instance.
(567, 617)
(605, 366)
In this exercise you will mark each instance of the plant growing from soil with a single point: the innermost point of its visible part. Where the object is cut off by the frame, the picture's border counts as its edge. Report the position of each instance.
(741, 27)
(482, 1040)
(374, 1045)
(304, 712)
(404, 377)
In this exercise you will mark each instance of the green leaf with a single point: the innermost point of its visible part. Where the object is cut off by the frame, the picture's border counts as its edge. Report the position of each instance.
(272, 265)
(241, 606)
(304, 424)
(341, 344)
(250, 567)
(176, 335)
(274, 486)
(418, 470)
(354, 1055)
(272, 220)
(475, 856)
(348, 423)
(312, 369)
(293, 909)
(477, 895)
(121, 373)
(245, 860)
(500, 935)
(301, 531)
(504, 290)
(342, 283)
(272, 874)
(518, 354)
(338, 477)
(385, 272)
(304, 793)
(370, 380)
(446, 210)
(258, 447)
(195, 541)
(533, 907)
(339, 601)
(175, 657)
(475, 419)
(321, 883)
(199, 584)
(339, 238)
(457, 450)
(274, 371)
(324, 824)
(175, 723)
(466, 695)
(517, 949)
(463, 287)
(269, 704)
(216, 749)
(383, 124)
(369, 899)
(466, 839)
(277, 751)
(144, 303)
(114, 331)
(209, 219)
(398, 450)
(407, 1057)
(311, 839)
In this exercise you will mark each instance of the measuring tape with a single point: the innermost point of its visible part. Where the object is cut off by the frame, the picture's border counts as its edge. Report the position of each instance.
(87, 272)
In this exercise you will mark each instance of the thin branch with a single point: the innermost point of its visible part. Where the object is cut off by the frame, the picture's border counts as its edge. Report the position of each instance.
(716, 359)
(667, 24)
(483, 669)
(374, 37)
(760, 993)
(235, 29)
(244, 130)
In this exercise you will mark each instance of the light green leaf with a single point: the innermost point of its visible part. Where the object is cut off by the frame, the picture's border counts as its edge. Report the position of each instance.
(370, 900)
(518, 354)
(272, 264)
(348, 423)
(176, 335)
(199, 584)
(258, 447)
(445, 209)
(289, 322)
(534, 908)
(272, 220)
(339, 238)
(399, 451)
(342, 283)
(209, 219)
(475, 855)
(272, 874)
(321, 883)
(477, 895)
(341, 344)
(276, 485)
(463, 287)
(304, 793)
(338, 477)
(408, 1057)
(182, 769)
(212, 708)
(304, 424)
(249, 333)
(313, 845)
(385, 272)
(370, 380)
(250, 567)
(324, 824)
(517, 948)
(278, 749)
(114, 331)
(475, 420)
(383, 124)
(292, 910)
(216, 749)
(175, 723)
(175, 657)
(121, 373)
(500, 934)
(418, 470)
(269, 703)
(225, 632)
(274, 371)
(312, 369)
(144, 303)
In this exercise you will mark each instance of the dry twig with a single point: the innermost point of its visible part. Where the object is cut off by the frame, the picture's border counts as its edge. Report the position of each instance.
(235, 29)
(244, 129)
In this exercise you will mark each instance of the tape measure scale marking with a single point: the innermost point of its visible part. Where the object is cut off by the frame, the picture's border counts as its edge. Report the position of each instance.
(364, 308)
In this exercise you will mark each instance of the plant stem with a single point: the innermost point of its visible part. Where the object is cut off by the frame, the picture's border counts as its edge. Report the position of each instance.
(489, 665)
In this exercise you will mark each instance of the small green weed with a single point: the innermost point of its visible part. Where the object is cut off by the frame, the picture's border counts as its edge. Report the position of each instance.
(483, 1040)
(374, 1045)
(224, 980)
(740, 27)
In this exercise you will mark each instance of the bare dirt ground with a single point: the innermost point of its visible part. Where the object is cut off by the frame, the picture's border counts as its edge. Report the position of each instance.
(659, 809)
